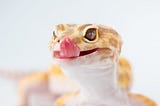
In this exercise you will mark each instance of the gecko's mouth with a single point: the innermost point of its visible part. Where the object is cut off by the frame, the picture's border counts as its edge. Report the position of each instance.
(60, 55)
(68, 50)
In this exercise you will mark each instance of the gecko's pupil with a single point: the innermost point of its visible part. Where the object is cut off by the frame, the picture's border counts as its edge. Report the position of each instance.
(91, 34)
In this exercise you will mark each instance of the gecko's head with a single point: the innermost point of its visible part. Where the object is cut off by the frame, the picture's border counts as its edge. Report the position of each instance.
(84, 44)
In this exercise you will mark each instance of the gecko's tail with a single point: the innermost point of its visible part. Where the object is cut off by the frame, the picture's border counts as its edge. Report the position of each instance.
(124, 73)
(15, 75)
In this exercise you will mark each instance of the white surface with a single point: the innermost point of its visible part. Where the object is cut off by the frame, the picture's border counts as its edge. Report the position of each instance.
(26, 26)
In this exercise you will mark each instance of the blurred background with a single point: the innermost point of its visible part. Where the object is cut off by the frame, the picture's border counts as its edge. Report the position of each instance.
(26, 27)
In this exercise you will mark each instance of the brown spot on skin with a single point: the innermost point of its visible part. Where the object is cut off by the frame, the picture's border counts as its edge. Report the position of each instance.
(60, 27)
(113, 42)
(120, 46)
(124, 77)
(104, 52)
(76, 40)
(124, 64)
(103, 31)
(124, 73)
(124, 80)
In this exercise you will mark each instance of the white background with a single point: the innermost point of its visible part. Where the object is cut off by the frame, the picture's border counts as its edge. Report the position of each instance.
(26, 27)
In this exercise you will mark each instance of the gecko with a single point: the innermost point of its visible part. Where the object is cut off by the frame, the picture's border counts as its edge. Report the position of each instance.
(87, 70)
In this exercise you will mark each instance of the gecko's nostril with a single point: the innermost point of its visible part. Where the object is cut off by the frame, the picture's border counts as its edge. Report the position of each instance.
(58, 41)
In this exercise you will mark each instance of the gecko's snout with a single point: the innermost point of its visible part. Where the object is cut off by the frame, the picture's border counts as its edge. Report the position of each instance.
(68, 49)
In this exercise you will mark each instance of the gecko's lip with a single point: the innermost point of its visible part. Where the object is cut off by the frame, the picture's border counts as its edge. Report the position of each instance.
(57, 54)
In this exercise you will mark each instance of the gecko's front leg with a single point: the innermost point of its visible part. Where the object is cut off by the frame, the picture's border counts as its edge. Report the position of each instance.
(43, 89)
(34, 91)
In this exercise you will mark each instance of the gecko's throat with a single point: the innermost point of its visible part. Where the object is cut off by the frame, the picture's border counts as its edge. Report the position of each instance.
(68, 49)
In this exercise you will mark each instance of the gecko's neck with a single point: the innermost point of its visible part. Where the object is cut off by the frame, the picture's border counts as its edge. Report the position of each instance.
(98, 82)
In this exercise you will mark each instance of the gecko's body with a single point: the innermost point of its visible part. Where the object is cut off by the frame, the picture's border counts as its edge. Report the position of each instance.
(88, 71)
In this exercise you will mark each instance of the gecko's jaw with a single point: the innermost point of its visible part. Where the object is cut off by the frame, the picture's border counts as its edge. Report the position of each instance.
(59, 55)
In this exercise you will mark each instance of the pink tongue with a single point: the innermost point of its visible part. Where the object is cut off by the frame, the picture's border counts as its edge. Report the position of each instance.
(69, 48)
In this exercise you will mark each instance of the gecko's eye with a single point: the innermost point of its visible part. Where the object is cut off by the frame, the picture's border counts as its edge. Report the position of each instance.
(91, 34)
